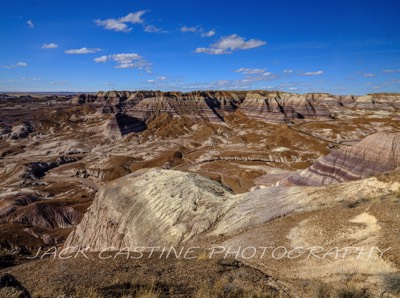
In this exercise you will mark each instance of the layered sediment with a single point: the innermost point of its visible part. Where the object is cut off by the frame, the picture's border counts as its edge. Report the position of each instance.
(214, 106)
(374, 155)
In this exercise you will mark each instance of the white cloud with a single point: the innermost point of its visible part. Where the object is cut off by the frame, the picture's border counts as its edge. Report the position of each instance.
(253, 75)
(228, 44)
(288, 71)
(313, 73)
(391, 70)
(101, 59)
(112, 24)
(82, 51)
(120, 24)
(189, 29)
(199, 30)
(245, 70)
(108, 84)
(208, 34)
(152, 29)
(162, 78)
(129, 60)
(58, 83)
(30, 79)
(133, 17)
(30, 23)
(18, 64)
(369, 75)
(49, 46)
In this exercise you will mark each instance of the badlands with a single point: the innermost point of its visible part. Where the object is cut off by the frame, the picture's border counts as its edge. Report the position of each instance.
(271, 194)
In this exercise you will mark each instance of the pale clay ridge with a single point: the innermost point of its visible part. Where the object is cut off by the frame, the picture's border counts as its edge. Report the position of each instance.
(164, 207)
(151, 207)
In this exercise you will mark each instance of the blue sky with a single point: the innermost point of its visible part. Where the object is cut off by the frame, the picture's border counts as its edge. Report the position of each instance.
(341, 47)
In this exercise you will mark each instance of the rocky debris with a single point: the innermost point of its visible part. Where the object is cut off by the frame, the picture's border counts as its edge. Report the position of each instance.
(10, 287)
(374, 155)
(120, 125)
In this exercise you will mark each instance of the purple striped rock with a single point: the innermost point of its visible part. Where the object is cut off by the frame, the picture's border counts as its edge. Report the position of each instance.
(374, 155)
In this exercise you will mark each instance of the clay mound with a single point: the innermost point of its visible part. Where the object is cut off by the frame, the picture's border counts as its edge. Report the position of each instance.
(151, 207)
(8, 204)
(121, 125)
(111, 168)
(374, 155)
(31, 210)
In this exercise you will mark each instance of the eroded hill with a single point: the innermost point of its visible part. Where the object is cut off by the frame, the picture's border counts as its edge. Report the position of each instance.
(202, 168)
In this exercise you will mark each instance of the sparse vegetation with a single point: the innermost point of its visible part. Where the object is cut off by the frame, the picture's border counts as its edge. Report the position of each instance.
(392, 283)
(151, 292)
(86, 292)
(226, 289)
(353, 293)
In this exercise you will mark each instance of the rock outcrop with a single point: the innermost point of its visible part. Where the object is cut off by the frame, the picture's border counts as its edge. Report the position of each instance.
(151, 207)
(120, 125)
(374, 155)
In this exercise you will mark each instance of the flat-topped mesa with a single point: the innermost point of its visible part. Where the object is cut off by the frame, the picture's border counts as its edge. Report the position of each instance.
(282, 107)
(374, 155)
(268, 106)
(201, 105)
